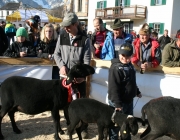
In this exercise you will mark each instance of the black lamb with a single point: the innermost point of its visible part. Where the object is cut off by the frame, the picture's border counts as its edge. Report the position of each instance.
(83, 111)
(33, 96)
(163, 115)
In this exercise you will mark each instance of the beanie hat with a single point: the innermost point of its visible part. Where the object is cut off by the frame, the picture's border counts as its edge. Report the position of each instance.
(21, 32)
(126, 49)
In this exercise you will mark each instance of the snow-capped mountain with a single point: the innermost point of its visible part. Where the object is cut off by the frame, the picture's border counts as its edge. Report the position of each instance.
(49, 4)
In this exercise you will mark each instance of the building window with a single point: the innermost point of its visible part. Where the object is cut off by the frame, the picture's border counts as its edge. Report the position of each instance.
(7, 12)
(158, 27)
(126, 27)
(124, 3)
(158, 2)
(101, 4)
(79, 5)
(119, 3)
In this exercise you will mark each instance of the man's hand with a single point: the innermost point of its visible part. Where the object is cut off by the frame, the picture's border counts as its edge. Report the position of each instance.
(97, 45)
(144, 66)
(119, 109)
(63, 70)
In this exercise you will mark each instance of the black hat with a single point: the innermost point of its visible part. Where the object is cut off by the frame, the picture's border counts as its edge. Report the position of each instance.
(126, 49)
(117, 24)
(37, 18)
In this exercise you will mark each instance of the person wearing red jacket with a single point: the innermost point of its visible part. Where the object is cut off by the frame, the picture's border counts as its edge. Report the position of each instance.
(147, 53)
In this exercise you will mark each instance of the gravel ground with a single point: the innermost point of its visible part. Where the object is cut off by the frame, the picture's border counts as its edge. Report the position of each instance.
(41, 127)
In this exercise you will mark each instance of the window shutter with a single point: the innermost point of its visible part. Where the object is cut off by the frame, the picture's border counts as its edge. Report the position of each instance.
(161, 28)
(104, 25)
(105, 4)
(128, 3)
(98, 5)
(152, 2)
(163, 2)
(116, 3)
(151, 25)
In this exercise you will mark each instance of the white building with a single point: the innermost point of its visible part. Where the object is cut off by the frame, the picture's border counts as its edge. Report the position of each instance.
(159, 14)
(8, 9)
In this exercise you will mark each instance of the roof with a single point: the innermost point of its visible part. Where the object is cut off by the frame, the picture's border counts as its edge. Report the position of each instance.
(10, 6)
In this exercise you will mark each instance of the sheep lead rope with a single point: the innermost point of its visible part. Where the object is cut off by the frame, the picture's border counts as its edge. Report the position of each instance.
(69, 88)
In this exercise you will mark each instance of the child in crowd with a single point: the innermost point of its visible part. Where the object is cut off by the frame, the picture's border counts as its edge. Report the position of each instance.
(154, 35)
(122, 86)
(22, 47)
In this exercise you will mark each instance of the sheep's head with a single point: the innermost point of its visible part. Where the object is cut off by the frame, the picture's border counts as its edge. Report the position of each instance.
(130, 125)
(79, 71)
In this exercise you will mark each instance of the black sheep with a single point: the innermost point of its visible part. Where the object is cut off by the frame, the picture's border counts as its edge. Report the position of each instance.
(33, 96)
(163, 115)
(83, 111)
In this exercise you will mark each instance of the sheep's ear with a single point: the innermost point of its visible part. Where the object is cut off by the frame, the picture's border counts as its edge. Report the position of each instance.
(124, 130)
(133, 125)
(90, 69)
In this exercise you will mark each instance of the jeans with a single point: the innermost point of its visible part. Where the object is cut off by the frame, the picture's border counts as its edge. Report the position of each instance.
(55, 72)
(114, 131)
(9, 40)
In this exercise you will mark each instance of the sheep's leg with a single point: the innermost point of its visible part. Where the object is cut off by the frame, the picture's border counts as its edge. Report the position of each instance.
(56, 119)
(100, 132)
(152, 135)
(71, 128)
(70, 131)
(66, 115)
(78, 131)
(13, 123)
(106, 130)
(4, 110)
(148, 129)
(60, 129)
(1, 117)
(1, 136)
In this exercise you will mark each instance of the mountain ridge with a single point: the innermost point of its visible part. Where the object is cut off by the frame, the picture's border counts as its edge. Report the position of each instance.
(48, 4)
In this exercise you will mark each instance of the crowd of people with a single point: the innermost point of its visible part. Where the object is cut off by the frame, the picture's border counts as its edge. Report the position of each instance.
(71, 44)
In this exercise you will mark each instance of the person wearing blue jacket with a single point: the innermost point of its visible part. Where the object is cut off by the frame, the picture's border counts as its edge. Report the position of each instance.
(114, 40)
(10, 31)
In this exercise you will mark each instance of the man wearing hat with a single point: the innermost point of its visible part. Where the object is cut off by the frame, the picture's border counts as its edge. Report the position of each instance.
(147, 53)
(72, 47)
(171, 53)
(122, 86)
(114, 40)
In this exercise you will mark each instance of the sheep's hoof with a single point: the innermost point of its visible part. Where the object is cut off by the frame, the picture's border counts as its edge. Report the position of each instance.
(17, 131)
(1, 137)
(61, 132)
(57, 137)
